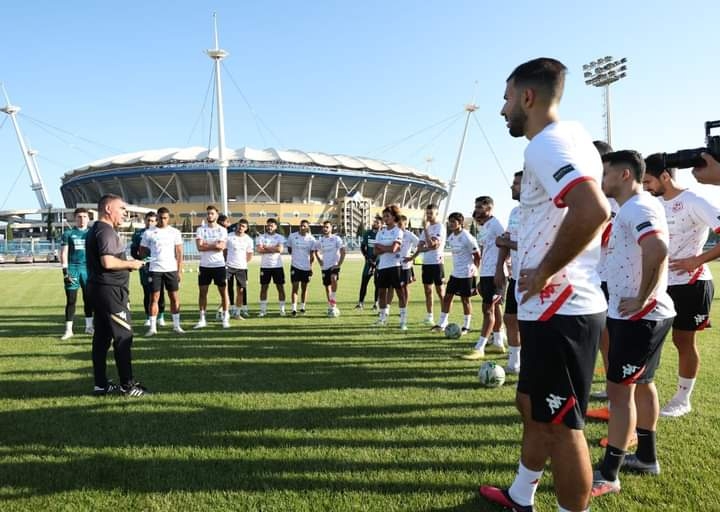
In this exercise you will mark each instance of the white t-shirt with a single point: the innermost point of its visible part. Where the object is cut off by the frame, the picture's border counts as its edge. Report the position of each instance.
(214, 258)
(387, 237)
(301, 247)
(434, 231)
(689, 216)
(605, 239)
(463, 246)
(329, 247)
(639, 217)
(271, 259)
(512, 230)
(487, 234)
(161, 242)
(556, 160)
(238, 247)
(407, 247)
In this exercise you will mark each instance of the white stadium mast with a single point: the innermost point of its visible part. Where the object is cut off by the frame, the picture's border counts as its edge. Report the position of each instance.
(217, 55)
(469, 108)
(36, 183)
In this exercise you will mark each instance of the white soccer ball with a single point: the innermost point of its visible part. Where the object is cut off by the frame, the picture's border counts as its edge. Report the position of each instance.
(491, 375)
(333, 312)
(453, 331)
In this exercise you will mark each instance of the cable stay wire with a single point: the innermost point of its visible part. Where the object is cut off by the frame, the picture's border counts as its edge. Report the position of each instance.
(3, 122)
(91, 156)
(387, 147)
(453, 123)
(259, 122)
(497, 160)
(201, 115)
(47, 127)
(12, 187)
(212, 116)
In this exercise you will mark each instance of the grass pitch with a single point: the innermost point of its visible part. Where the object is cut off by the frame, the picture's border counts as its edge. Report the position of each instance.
(291, 414)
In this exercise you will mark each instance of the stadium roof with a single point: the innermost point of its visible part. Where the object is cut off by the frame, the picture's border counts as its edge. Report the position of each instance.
(246, 154)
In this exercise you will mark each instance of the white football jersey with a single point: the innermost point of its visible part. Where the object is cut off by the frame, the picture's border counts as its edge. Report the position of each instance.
(605, 239)
(463, 246)
(639, 217)
(487, 234)
(161, 242)
(238, 247)
(301, 248)
(556, 160)
(689, 216)
(438, 232)
(329, 247)
(387, 237)
(407, 247)
(512, 230)
(215, 258)
(271, 259)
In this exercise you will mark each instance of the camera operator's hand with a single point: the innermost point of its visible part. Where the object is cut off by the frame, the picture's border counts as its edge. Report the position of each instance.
(683, 265)
(710, 174)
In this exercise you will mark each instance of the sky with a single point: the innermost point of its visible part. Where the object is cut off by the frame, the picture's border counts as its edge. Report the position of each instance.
(382, 79)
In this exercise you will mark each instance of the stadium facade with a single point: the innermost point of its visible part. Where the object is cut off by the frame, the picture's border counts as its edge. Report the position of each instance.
(288, 185)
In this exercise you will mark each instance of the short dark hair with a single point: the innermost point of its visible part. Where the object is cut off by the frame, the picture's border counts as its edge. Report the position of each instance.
(105, 200)
(244, 222)
(545, 75)
(393, 210)
(630, 158)
(271, 220)
(150, 214)
(485, 200)
(221, 218)
(162, 210)
(458, 217)
(80, 210)
(518, 174)
(655, 166)
(327, 222)
(305, 221)
(602, 147)
(211, 207)
(403, 218)
(431, 206)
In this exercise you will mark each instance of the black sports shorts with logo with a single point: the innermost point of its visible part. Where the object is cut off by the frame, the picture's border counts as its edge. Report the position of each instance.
(635, 347)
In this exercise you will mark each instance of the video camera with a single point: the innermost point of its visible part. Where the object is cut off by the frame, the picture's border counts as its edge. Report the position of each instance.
(691, 157)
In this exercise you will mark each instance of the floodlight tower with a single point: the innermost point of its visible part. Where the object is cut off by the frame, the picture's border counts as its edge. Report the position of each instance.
(217, 55)
(36, 183)
(601, 73)
(469, 108)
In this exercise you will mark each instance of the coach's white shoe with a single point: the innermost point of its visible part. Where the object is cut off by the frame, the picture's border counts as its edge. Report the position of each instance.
(200, 325)
(67, 335)
(675, 408)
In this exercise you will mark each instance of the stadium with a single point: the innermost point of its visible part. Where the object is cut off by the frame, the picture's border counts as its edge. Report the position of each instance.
(288, 185)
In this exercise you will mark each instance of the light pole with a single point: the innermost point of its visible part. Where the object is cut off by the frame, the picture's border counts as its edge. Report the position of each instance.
(601, 73)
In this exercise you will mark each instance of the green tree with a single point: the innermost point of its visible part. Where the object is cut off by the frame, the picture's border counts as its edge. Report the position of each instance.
(187, 225)
(50, 227)
(8, 232)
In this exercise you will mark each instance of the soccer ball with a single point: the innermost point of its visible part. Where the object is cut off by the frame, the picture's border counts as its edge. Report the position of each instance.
(452, 331)
(333, 312)
(491, 375)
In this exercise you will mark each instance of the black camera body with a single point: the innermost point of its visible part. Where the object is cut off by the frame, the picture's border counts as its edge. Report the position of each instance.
(691, 157)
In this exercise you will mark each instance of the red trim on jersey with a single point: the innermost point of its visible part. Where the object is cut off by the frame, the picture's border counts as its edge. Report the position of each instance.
(717, 230)
(653, 232)
(565, 409)
(557, 303)
(633, 378)
(606, 235)
(697, 274)
(558, 199)
(644, 311)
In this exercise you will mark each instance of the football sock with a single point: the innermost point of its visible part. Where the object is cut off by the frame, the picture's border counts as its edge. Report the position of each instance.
(522, 490)
(153, 323)
(176, 319)
(684, 389)
(497, 338)
(610, 465)
(513, 356)
(443, 320)
(403, 315)
(480, 344)
(466, 321)
(646, 448)
(263, 306)
(202, 315)
(88, 322)
(69, 326)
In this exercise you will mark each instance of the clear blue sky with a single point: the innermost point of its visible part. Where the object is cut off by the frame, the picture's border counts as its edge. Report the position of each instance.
(341, 77)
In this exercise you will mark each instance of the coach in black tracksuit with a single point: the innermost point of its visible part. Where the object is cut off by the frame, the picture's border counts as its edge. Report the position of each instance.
(108, 277)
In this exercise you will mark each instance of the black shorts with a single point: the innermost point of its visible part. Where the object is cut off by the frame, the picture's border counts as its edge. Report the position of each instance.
(277, 275)
(692, 304)
(460, 286)
(167, 280)
(327, 275)
(390, 277)
(299, 276)
(240, 275)
(635, 347)
(510, 300)
(433, 274)
(557, 363)
(207, 275)
(407, 276)
(487, 289)
(606, 292)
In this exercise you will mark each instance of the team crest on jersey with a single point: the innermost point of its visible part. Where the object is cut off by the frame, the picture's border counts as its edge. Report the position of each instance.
(643, 225)
(678, 206)
(562, 172)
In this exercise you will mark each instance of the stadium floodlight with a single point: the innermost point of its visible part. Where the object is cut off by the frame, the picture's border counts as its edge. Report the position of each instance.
(602, 73)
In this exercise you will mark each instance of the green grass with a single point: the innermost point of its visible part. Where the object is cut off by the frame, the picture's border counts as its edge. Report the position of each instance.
(291, 414)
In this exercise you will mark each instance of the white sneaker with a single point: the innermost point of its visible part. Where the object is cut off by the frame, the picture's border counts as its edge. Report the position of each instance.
(67, 335)
(161, 322)
(403, 326)
(512, 369)
(179, 330)
(283, 313)
(380, 322)
(262, 314)
(200, 325)
(89, 330)
(147, 323)
(226, 324)
(428, 321)
(675, 409)
(150, 332)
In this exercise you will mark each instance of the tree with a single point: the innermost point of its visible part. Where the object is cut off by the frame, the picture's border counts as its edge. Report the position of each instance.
(360, 230)
(8, 232)
(187, 225)
(50, 227)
